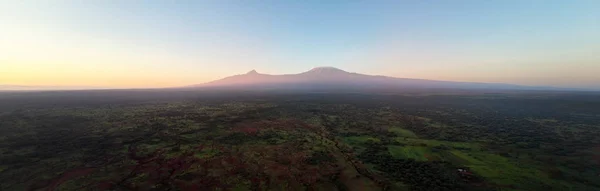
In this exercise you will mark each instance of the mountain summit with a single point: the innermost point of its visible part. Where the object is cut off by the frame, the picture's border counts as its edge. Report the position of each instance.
(325, 70)
(252, 72)
(330, 77)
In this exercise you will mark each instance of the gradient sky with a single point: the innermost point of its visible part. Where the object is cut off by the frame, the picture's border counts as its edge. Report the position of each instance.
(127, 44)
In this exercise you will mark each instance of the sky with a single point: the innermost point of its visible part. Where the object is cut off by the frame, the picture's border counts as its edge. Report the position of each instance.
(152, 44)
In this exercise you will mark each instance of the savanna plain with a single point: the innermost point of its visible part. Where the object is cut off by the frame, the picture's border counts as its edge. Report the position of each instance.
(322, 140)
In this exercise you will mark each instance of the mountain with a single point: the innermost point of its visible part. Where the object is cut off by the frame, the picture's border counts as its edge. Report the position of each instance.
(330, 77)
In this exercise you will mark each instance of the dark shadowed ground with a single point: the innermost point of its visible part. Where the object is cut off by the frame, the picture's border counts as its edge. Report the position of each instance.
(327, 139)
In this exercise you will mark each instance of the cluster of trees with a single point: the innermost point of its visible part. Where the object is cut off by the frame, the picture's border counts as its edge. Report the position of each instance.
(419, 175)
(558, 131)
(236, 159)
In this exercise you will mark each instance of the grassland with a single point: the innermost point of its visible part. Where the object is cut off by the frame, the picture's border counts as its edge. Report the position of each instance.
(300, 142)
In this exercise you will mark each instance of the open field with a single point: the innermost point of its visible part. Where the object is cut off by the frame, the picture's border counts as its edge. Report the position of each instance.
(299, 141)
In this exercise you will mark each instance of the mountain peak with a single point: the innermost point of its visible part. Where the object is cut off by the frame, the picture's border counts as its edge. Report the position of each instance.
(326, 69)
(252, 72)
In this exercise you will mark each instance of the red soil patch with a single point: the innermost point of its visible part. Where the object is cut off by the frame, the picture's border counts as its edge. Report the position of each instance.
(68, 176)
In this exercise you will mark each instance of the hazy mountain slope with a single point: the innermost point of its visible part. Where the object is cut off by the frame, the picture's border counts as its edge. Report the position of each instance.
(325, 77)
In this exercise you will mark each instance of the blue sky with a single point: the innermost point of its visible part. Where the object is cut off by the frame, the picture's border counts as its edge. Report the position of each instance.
(171, 43)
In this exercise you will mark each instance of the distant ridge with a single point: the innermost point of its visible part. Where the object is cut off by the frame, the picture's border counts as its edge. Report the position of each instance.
(331, 77)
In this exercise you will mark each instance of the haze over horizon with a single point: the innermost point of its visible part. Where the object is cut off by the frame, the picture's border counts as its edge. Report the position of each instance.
(125, 44)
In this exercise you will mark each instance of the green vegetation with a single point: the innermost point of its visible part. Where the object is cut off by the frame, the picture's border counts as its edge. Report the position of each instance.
(284, 141)
(402, 132)
(410, 152)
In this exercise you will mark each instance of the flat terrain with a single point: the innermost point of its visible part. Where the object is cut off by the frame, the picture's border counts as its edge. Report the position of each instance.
(328, 140)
